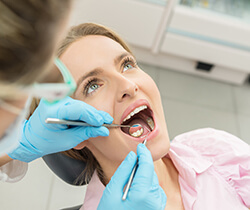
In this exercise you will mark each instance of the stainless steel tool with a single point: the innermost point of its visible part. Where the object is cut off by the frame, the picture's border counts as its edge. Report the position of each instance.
(80, 123)
(132, 175)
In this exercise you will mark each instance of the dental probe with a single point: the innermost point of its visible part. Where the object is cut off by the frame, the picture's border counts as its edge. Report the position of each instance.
(132, 175)
(80, 123)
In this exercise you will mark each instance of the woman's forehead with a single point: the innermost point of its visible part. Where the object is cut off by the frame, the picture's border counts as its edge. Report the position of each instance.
(91, 49)
(91, 52)
(95, 44)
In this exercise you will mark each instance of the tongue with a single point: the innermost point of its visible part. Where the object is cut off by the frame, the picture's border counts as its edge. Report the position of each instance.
(142, 123)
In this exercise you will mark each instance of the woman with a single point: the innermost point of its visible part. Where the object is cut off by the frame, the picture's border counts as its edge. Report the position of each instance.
(30, 32)
(202, 169)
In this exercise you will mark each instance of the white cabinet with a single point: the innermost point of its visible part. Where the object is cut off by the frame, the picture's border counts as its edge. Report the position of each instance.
(179, 37)
(217, 39)
(135, 21)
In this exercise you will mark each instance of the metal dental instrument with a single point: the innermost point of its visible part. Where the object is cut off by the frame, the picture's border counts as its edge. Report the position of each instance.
(132, 175)
(80, 123)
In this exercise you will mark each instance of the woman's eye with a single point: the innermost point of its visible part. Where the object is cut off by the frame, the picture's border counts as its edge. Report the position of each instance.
(127, 67)
(92, 88)
(128, 63)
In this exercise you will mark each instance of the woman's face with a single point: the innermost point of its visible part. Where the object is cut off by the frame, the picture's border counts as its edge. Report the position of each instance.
(109, 79)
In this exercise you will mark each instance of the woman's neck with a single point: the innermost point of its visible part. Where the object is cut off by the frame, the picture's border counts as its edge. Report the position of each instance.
(164, 168)
(168, 178)
(166, 172)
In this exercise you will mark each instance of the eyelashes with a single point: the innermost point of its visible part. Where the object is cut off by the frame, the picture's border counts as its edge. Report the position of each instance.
(94, 83)
(91, 86)
(129, 62)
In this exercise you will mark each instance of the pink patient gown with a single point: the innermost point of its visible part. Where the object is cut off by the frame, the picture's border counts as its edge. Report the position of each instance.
(214, 172)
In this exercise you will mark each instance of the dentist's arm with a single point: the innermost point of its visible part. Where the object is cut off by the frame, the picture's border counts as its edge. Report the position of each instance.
(4, 159)
(145, 192)
(39, 139)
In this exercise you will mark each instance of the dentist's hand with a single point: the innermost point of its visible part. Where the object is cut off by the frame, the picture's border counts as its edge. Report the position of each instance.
(40, 138)
(145, 192)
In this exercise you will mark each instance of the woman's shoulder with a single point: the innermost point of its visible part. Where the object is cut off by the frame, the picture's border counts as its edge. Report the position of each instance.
(213, 142)
(229, 156)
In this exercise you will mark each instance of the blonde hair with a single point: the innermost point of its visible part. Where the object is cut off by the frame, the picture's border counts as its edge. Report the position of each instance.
(75, 34)
(27, 40)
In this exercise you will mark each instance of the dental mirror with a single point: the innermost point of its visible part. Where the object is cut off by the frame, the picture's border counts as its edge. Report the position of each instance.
(136, 130)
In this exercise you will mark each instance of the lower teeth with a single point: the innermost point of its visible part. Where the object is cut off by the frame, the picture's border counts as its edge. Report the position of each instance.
(151, 123)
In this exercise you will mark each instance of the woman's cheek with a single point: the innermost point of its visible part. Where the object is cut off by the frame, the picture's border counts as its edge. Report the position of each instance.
(102, 100)
(149, 86)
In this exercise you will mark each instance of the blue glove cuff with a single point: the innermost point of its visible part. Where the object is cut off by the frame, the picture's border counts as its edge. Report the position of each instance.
(23, 154)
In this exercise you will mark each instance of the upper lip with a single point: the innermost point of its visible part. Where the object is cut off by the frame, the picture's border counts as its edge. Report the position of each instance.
(133, 106)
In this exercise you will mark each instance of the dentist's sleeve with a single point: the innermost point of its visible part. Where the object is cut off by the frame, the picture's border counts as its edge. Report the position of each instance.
(13, 171)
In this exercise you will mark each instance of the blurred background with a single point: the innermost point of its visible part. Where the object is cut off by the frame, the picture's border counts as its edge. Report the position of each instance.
(198, 53)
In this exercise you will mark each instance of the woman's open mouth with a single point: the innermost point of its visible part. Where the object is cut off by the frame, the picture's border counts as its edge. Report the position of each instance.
(141, 115)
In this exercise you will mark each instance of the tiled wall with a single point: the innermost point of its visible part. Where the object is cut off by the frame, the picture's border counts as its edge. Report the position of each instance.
(190, 102)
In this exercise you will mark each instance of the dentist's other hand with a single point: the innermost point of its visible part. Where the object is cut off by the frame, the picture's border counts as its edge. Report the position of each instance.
(145, 192)
(39, 138)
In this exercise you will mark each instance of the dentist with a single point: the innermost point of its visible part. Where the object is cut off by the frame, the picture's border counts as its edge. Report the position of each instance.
(29, 35)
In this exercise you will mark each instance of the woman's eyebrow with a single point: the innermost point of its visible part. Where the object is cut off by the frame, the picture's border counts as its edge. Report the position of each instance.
(98, 71)
(94, 72)
(120, 57)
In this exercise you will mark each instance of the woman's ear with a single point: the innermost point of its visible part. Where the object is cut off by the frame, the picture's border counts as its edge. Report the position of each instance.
(81, 145)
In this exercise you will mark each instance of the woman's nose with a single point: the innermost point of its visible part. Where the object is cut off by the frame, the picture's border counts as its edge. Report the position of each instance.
(126, 88)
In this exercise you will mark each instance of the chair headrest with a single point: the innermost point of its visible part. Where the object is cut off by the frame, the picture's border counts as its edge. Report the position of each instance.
(66, 168)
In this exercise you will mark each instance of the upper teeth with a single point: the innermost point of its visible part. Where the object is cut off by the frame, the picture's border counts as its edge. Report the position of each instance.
(135, 111)
(138, 133)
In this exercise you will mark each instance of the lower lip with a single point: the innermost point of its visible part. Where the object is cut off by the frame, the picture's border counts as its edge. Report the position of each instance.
(149, 136)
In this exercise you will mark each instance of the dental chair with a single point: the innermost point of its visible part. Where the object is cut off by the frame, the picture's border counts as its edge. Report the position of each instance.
(66, 168)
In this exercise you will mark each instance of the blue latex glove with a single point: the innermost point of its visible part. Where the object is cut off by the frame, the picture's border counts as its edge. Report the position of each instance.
(145, 192)
(39, 138)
